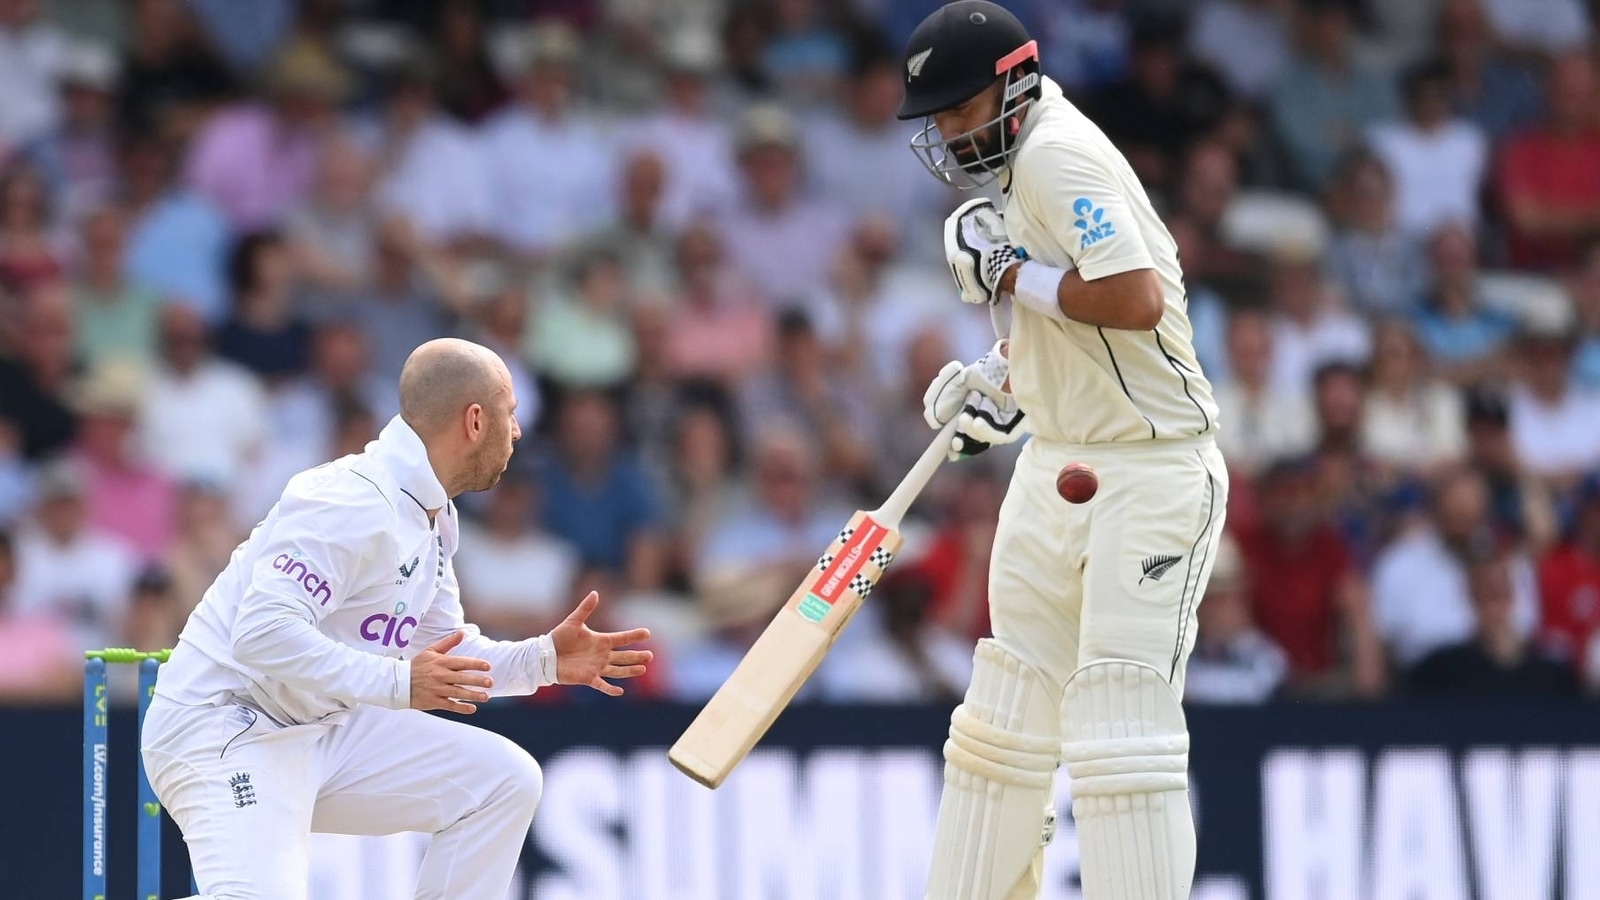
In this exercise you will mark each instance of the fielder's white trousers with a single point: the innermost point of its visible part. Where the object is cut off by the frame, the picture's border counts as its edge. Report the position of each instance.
(248, 794)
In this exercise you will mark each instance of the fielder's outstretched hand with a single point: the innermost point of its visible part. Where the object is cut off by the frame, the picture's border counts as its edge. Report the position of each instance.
(454, 683)
(590, 657)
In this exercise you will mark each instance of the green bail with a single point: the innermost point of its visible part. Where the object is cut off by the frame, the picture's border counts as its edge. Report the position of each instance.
(127, 655)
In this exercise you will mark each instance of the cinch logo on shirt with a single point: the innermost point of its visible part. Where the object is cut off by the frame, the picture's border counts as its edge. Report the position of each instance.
(1092, 222)
(291, 565)
(394, 630)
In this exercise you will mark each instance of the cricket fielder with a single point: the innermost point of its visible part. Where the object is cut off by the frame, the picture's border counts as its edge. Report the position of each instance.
(1092, 605)
(293, 701)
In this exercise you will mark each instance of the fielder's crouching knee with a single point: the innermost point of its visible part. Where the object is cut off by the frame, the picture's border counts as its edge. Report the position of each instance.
(523, 778)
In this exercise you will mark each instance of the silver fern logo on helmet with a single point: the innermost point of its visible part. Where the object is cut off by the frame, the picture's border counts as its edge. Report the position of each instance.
(915, 63)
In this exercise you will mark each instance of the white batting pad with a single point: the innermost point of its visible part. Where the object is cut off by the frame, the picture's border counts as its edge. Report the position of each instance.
(995, 816)
(1126, 746)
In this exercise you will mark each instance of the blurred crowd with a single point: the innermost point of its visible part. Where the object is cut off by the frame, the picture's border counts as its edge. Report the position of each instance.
(695, 232)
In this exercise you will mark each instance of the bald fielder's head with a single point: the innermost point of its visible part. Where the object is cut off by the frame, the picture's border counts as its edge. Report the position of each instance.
(457, 396)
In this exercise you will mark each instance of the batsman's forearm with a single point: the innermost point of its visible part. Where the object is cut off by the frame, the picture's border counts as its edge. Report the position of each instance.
(1131, 301)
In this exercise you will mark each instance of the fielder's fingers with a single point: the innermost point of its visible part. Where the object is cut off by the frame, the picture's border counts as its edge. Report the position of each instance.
(631, 657)
(605, 687)
(461, 696)
(458, 706)
(585, 607)
(637, 635)
(623, 671)
(461, 663)
(468, 679)
(448, 642)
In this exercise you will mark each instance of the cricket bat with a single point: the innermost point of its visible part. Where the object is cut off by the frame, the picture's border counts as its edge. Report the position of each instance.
(791, 647)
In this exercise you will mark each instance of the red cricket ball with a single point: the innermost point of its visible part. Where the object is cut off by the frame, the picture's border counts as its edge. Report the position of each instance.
(1077, 483)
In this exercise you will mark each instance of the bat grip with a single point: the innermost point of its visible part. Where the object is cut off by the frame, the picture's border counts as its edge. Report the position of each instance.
(905, 493)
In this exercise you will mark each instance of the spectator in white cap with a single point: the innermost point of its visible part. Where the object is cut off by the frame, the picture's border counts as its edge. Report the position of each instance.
(778, 236)
(542, 133)
(689, 134)
(127, 495)
(1555, 424)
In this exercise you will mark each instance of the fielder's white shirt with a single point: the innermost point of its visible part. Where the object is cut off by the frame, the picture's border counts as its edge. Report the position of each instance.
(1072, 201)
(323, 606)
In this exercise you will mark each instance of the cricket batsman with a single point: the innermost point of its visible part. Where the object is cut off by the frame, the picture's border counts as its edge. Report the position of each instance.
(293, 702)
(1092, 604)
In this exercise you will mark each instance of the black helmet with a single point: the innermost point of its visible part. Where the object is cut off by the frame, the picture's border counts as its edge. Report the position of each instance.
(959, 50)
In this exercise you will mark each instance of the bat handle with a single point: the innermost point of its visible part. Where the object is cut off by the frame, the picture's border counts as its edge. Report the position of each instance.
(1001, 330)
(905, 493)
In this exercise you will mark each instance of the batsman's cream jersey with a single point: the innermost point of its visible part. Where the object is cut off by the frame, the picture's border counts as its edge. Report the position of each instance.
(346, 579)
(1073, 201)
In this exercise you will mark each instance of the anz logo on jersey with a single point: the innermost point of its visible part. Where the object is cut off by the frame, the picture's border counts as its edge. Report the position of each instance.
(1092, 222)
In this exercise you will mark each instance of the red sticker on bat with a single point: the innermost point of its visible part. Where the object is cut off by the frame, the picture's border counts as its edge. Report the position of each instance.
(847, 564)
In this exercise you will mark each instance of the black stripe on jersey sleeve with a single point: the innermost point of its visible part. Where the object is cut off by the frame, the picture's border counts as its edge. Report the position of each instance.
(1179, 369)
(1118, 369)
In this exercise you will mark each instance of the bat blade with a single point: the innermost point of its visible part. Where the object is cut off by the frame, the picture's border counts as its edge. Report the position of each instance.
(786, 654)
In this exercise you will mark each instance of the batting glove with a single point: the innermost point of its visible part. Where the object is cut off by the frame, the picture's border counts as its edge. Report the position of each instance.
(976, 394)
(978, 250)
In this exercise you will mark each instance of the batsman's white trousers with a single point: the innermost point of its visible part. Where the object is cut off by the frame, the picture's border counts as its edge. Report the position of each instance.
(1118, 577)
(1100, 596)
(248, 793)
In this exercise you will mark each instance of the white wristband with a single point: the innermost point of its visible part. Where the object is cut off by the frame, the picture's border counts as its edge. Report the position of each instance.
(1036, 287)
